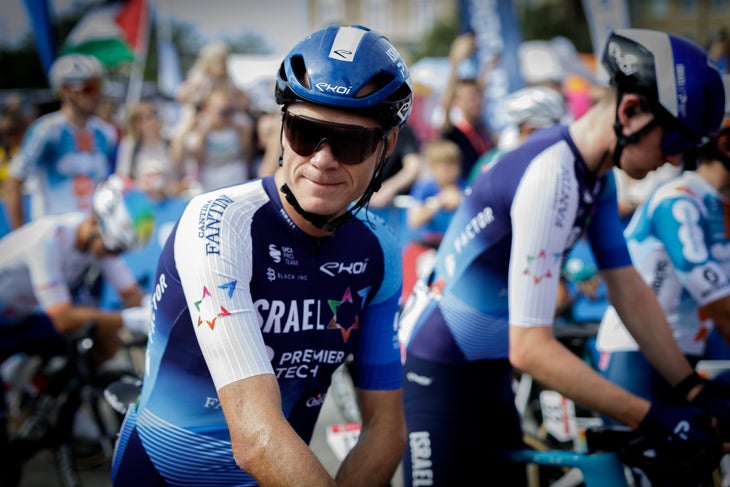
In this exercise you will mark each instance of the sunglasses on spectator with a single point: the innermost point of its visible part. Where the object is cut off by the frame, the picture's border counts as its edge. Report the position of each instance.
(225, 112)
(350, 144)
(86, 88)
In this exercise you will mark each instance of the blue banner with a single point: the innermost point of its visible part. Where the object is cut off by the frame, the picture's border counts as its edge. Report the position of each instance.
(603, 16)
(498, 37)
(39, 14)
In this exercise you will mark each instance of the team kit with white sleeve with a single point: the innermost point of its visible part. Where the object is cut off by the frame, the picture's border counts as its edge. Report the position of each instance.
(498, 264)
(64, 163)
(40, 268)
(245, 292)
(679, 243)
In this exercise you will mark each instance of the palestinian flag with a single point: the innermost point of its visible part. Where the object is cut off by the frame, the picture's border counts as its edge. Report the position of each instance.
(114, 32)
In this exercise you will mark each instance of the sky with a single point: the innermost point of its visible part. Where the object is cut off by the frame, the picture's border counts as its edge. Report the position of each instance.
(281, 22)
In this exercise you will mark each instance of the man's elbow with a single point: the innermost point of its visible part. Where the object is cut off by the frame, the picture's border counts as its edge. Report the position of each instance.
(250, 452)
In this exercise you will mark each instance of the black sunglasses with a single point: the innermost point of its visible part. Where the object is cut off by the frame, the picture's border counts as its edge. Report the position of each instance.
(351, 144)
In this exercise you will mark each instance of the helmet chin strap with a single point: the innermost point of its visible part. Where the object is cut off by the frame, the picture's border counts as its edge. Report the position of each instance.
(622, 140)
(326, 222)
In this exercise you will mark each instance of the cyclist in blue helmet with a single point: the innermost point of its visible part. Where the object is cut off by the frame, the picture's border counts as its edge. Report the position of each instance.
(266, 287)
(488, 307)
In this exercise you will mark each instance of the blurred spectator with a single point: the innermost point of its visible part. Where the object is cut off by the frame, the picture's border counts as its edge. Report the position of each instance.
(217, 150)
(209, 73)
(528, 109)
(12, 128)
(435, 197)
(268, 126)
(271, 150)
(144, 154)
(401, 169)
(719, 49)
(463, 100)
(66, 153)
(438, 193)
(108, 110)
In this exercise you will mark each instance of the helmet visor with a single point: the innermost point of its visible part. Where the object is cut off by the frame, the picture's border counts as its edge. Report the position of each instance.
(350, 144)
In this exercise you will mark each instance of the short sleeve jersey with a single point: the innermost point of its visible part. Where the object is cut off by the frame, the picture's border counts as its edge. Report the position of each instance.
(679, 241)
(39, 266)
(64, 162)
(500, 260)
(240, 291)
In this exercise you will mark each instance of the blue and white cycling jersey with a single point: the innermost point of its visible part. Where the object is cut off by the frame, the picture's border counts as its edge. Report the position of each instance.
(500, 260)
(680, 243)
(240, 291)
(63, 163)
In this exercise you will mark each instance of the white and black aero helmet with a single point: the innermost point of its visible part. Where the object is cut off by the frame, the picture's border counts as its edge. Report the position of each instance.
(538, 106)
(74, 68)
(675, 78)
(124, 214)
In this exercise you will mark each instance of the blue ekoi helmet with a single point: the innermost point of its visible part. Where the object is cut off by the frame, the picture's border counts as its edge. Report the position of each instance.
(331, 66)
(675, 77)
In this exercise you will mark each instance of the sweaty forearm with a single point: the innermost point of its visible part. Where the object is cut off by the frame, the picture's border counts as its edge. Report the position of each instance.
(645, 320)
(372, 462)
(382, 440)
(536, 352)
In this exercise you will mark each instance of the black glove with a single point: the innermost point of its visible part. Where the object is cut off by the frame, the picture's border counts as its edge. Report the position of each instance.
(678, 447)
(714, 398)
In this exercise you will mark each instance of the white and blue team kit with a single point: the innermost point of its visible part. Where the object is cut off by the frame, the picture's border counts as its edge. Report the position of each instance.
(680, 242)
(498, 264)
(64, 163)
(241, 291)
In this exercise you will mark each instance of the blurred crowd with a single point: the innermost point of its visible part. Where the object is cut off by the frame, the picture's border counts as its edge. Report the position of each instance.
(219, 134)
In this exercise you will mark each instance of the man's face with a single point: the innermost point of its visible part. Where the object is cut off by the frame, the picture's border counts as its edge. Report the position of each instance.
(219, 110)
(327, 180)
(638, 159)
(84, 96)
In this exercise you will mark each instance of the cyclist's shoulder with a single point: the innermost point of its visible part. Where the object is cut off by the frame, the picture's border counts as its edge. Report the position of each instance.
(48, 126)
(689, 188)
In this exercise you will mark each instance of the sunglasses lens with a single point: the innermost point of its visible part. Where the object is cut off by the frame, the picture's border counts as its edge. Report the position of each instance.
(350, 144)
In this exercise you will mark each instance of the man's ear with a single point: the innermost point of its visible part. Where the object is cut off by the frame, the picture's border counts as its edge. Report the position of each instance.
(723, 142)
(391, 140)
(630, 106)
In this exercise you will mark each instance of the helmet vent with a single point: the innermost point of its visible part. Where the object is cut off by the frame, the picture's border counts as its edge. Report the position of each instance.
(376, 83)
(300, 70)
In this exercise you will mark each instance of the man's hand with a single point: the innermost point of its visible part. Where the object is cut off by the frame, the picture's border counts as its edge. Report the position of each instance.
(714, 398)
(680, 445)
(137, 319)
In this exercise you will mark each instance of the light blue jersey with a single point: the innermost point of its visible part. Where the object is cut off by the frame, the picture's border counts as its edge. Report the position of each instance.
(679, 240)
(63, 163)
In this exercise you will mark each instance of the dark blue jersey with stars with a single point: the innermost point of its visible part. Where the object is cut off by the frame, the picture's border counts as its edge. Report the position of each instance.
(241, 291)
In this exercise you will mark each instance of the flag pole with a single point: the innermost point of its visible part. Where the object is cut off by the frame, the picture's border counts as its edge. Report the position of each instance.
(136, 75)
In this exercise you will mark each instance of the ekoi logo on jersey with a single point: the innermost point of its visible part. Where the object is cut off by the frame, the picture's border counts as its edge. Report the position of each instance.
(205, 305)
(539, 266)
